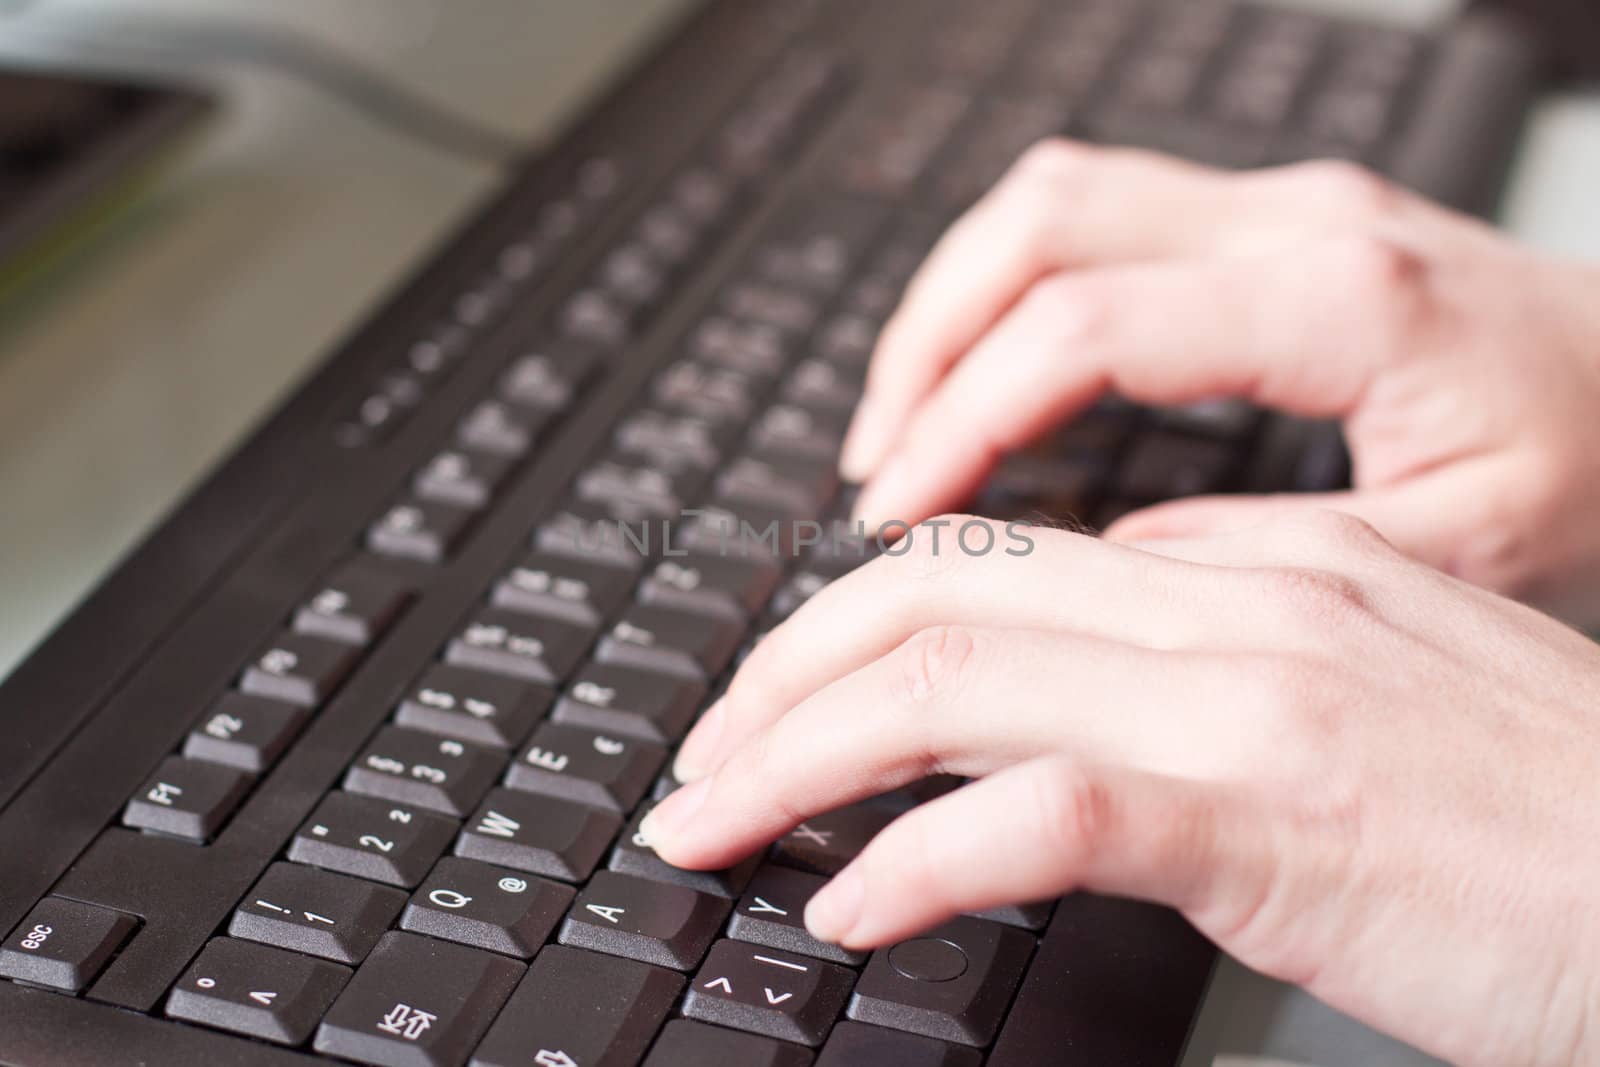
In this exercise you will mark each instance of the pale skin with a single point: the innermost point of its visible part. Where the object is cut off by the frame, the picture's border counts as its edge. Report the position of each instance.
(1312, 725)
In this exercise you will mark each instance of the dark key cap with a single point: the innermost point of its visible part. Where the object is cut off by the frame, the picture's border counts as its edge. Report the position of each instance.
(63, 943)
(1162, 466)
(371, 838)
(633, 480)
(772, 912)
(590, 768)
(416, 529)
(952, 983)
(299, 670)
(755, 348)
(580, 1008)
(624, 700)
(473, 706)
(502, 428)
(588, 531)
(519, 646)
(677, 642)
(728, 586)
(550, 377)
(243, 731)
(424, 770)
(823, 386)
(634, 856)
(716, 394)
(792, 596)
(653, 922)
(561, 587)
(489, 907)
(462, 477)
(793, 484)
(257, 991)
(1028, 916)
(826, 843)
(856, 1045)
(801, 432)
(691, 440)
(417, 1000)
(538, 834)
(690, 1044)
(316, 912)
(765, 990)
(187, 798)
(355, 607)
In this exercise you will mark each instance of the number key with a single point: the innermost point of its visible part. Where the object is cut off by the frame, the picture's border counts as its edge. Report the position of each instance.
(421, 769)
(372, 839)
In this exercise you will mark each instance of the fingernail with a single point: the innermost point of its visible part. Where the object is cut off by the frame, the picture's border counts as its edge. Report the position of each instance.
(668, 820)
(835, 910)
(696, 757)
(883, 492)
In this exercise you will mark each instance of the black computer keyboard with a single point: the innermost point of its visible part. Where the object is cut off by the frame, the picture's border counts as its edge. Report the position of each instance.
(348, 760)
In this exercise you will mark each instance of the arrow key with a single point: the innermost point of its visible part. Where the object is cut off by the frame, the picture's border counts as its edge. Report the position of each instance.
(779, 994)
(256, 990)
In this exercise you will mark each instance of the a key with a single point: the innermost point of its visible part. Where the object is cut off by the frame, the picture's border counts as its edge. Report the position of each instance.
(581, 1008)
(63, 943)
(474, 706)
(299, 670)
(590, 768)
(538, 834)
(355, 606)
(488, 907)
(755, 348)
(586, 531)
(502, 428)
(716, 394)
(519, 646)
(244, 731)
(564, 588)
(792, 484)
(419, 530)
(417, 1001)
(768, 991)
(728, 586)
(676, 642)
(634, 480)
(371, 838)
(688, 439)
(316, 912)
(773, 306)
(187, 798)
(855, 1045)
(739, 530)
(549, 377)
(633, 855)
(652, 922)
(952, 983)
(629, 701)
(772, 912)
(800, 432)
(462, 477)
(826, 843)
(823, 386)
(690, 1044)
(1028, 916)
(257, 991)
(424, 770)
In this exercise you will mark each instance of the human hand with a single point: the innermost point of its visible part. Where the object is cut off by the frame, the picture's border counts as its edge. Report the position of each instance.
(1466, 370)
(1348, 770)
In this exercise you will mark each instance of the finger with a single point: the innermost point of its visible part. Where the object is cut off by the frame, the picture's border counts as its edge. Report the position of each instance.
(1303, 330)
(1057, 581)
(1035, 832)
(961, 701)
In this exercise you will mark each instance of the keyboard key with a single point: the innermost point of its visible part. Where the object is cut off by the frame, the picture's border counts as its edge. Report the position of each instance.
(715, 394)
(795, 485)
(1028, 916)
(728, 586)
(676, 642)
(587, 767)
(826, 843)
(462, 477)
(738, 529)
(634, 480)
(423, 770)
(799, 432)
(257, 991)
(690, 1044)
(483, 708)
(953, 983)
(856, 1045)
(584, 530)
(316, 912)
(501, 428)
(580, 1008)
(187, 798)
(561, 587)
(520, 646)
(63, 943)
(652, 922)
(549, 378)
(685, 438)
(625, 700)
(417, 1000)
(354, 607)
(538, 834)
(488, 907)
(244, 731)
(634, 856)
(371, 838)
(772, 913)
(299, 670)
(767, 991)
(419, 530)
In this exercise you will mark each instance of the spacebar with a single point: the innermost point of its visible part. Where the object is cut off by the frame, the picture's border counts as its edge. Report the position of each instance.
(1112, 982)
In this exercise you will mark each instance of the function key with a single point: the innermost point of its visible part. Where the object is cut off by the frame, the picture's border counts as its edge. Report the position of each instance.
(415, 768)
(462, 477)
(520, 646)
(419, 530)
(63, 943)
(563, 588)
(502, 428)
(625, 700)
(187, 798)
(587, 767)
(488, 907)
(243, 731)
(484, 708)
(257, 991)
(549, 377)
(768, 991)
(355, 606)
(299, 670)
(316, 912)
(371, 838)
(667, 925)
(538, 834)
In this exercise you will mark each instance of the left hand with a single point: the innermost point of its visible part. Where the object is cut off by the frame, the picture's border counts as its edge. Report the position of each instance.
(1348, 770)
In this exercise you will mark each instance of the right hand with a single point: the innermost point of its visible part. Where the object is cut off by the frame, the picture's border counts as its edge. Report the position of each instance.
(1466, 370)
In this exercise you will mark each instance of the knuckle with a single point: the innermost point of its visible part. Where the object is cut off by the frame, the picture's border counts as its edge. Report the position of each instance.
(1319, 597)
(1329, 532)
(933, 664)
(1381, 266)
(1348, 189)
(1053, 158)
(1078, 308)
(1070, 808)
